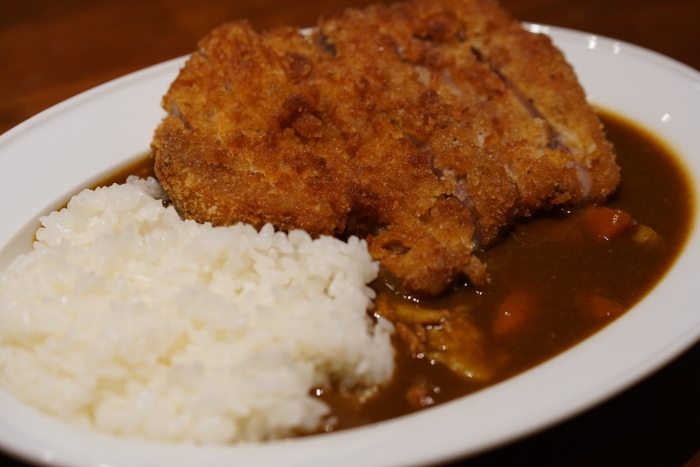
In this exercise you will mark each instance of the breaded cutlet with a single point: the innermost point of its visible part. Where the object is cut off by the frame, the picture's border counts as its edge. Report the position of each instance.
(426, 127)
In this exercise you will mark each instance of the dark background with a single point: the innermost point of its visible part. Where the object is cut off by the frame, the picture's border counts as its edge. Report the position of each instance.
(51, 50)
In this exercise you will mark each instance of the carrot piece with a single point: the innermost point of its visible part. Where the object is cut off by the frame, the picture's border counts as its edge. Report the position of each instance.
(603, 308)
(606, 222)
(513, 314)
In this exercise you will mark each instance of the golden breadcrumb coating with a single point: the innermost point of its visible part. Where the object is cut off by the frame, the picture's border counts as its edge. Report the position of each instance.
(426, 127)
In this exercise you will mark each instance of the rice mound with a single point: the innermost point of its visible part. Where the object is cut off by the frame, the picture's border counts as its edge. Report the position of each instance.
(128, 320)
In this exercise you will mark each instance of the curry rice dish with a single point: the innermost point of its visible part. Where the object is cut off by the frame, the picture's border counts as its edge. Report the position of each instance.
(413, 145)
(425, 127)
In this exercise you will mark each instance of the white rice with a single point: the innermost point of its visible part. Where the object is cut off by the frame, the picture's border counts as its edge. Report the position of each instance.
(128, 320)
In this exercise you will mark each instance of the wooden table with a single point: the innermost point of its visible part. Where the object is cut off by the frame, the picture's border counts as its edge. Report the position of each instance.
(52, 50)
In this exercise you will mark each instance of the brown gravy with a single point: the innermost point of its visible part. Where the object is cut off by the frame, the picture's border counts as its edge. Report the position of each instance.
(549, 258)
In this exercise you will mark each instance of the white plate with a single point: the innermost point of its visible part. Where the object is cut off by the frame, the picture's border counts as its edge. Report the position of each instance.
(76, 142)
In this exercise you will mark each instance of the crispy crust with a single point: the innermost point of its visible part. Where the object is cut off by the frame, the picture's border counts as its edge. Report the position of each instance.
(426, 127)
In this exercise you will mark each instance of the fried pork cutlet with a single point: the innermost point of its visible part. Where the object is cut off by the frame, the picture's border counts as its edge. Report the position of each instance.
(426, 127)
